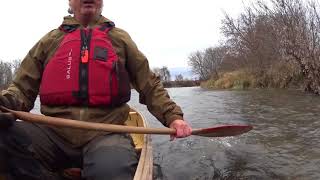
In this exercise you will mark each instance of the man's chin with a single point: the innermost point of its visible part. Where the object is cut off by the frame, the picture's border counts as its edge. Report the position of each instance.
(88, 12)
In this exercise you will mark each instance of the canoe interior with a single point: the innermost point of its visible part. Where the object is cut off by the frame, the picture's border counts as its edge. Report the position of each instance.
(135, 119)
(143, 146)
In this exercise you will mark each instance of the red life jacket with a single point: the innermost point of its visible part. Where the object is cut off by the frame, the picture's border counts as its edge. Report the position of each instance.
(85, 70)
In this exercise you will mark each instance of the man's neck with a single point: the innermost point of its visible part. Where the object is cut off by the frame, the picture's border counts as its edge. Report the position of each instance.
(85, 21)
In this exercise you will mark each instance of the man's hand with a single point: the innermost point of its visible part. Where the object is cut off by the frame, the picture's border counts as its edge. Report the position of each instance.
(182, 127)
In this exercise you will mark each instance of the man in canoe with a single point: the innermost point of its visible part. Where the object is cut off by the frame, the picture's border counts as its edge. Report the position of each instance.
(82, 71)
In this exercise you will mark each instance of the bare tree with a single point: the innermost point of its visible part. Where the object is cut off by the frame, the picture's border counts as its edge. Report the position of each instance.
(5, 74)
(179, 77)
(197, 63)
(252, 39)
(206, 64)
(276, 41)
(15, 65)
(163, 72)
(300, 37)
(213, 58)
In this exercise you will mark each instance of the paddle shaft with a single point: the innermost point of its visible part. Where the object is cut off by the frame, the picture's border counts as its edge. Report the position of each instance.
(218, 131)
(61, 122)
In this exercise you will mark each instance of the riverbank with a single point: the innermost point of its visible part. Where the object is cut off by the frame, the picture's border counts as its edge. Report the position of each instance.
(239, 80)
(183, 83)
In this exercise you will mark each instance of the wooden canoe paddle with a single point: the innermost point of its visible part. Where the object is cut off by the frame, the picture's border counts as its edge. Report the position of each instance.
(218, 131)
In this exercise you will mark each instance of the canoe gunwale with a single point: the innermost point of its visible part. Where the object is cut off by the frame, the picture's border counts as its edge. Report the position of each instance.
(145, 165)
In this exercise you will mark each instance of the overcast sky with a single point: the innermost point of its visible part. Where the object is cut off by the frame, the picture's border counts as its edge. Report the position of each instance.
(166, 31)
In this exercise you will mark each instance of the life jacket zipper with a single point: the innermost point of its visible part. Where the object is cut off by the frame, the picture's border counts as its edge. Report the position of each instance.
(83, 93)
(85, 39)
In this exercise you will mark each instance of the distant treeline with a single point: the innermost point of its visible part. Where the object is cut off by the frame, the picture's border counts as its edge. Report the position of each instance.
(273, 43)
(7, 71)
(179, 80)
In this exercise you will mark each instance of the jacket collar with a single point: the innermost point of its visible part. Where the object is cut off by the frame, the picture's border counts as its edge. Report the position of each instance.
(70, 20)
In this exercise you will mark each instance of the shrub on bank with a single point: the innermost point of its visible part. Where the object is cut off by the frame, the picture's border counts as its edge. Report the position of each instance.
(231, 80)
(183, 83)
(280, 78)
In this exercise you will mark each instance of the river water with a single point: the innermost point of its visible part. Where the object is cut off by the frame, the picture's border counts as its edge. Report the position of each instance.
(284, 144)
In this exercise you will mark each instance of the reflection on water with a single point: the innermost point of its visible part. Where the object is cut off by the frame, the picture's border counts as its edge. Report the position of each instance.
(284, 143)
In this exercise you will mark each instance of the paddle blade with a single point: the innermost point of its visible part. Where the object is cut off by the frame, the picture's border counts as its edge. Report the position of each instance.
(222, 131)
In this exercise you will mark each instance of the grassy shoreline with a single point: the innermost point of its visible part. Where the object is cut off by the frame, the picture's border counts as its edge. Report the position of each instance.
(241, 80)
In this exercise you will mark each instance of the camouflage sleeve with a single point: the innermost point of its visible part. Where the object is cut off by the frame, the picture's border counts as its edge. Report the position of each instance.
(151, 90)
(25, 85)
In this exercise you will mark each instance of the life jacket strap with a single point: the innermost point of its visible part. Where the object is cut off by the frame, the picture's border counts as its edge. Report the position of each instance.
(68, 28)
(106, 27)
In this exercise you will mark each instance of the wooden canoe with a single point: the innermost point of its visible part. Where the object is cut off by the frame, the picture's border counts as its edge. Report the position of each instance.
(142, 145)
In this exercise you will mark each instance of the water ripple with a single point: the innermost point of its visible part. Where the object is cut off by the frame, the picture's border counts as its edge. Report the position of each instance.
(284, 143)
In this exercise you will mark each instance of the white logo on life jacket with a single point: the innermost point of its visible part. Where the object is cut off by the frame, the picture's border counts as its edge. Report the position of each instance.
(69, 63)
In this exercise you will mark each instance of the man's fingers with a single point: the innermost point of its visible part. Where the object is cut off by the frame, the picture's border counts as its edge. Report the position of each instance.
(179, 132)
(186, 131)
(182, 129)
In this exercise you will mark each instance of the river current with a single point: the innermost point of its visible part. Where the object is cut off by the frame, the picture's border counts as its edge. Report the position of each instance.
(284, 144)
